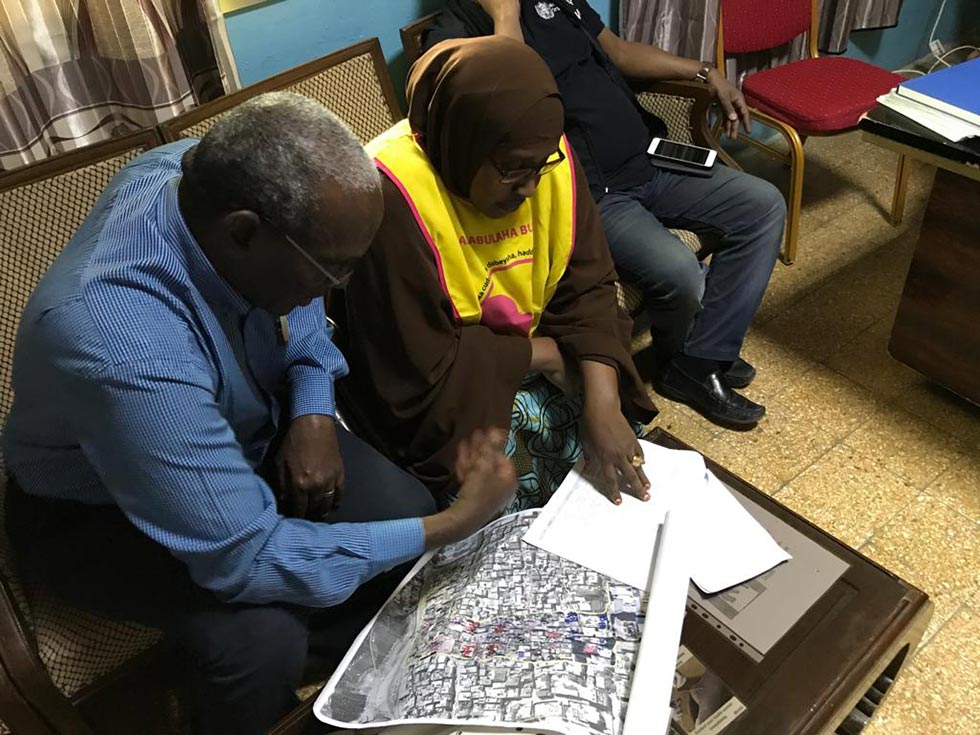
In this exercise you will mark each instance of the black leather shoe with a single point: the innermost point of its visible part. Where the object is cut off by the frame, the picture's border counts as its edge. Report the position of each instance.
(740, 374)
(710, 397)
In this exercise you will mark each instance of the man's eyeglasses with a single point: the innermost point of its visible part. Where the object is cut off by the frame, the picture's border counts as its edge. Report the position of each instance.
(331, 278)
(518, 175)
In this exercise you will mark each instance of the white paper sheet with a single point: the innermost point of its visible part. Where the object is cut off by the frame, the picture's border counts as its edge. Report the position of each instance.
(581, 525)
(653, 675)
(493, 632)
(706, 535)
(728, 546)
(691, 528)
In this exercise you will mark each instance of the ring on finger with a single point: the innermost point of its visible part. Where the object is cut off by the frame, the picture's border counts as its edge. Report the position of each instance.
(637, 460)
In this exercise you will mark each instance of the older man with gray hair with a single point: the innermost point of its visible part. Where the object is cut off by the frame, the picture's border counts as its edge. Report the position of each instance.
(182, 330)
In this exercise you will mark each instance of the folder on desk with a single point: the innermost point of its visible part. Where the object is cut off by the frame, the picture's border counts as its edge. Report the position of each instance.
(954, 91)
(950, 127)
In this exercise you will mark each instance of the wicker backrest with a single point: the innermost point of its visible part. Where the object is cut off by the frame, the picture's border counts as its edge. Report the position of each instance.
(412, 37)
(41, 206)
(353, 83)
(675, 111)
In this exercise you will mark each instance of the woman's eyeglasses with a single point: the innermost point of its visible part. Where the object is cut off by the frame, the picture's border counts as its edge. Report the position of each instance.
(518, 175)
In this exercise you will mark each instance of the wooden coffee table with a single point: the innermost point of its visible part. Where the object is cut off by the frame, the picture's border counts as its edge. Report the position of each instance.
(829, 670)
(832, 667)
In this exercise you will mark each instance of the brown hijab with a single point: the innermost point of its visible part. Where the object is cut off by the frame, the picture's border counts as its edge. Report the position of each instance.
(468, 96)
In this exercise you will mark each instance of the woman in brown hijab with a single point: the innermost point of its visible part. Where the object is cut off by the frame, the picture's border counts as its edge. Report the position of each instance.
(488, 296)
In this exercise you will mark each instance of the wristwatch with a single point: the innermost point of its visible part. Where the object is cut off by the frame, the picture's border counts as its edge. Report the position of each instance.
(702, 76)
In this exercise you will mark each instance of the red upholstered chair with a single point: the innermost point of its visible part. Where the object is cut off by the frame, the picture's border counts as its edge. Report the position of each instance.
(813, 96)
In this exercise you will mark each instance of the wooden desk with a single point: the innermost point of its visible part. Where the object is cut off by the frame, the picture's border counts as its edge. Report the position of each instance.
(827, 674)
(937, 328)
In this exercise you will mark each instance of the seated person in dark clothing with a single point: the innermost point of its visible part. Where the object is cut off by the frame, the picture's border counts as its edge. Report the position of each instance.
(700, 312)
(147, 371)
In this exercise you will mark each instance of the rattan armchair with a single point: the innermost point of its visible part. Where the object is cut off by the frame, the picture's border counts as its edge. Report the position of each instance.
(53, 658)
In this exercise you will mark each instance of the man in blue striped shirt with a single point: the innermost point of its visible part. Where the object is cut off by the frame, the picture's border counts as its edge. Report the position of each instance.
(148, 373)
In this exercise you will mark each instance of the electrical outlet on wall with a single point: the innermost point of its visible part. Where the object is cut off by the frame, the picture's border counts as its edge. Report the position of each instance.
(937, 48)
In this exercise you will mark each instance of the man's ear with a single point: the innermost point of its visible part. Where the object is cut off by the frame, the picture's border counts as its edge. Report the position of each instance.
(241, 225)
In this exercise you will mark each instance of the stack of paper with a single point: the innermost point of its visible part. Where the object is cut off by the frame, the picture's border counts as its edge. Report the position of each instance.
(704, 535)
(948, 126)
(727, 545)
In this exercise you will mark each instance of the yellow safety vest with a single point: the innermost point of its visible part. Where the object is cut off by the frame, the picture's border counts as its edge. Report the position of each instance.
(496, 272)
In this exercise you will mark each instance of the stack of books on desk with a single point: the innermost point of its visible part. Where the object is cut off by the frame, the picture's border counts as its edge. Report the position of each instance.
(946, 101)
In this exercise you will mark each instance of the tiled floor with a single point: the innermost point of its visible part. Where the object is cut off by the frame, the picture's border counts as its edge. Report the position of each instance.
(863, 446)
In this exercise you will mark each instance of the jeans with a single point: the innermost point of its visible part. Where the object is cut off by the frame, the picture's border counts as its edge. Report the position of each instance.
(701, 310)
(247, 660)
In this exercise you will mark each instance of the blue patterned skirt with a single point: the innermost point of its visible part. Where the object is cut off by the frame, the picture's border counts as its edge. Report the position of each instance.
(543, 441)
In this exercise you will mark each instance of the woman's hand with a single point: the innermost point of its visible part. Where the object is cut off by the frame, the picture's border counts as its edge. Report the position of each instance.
(613, 456)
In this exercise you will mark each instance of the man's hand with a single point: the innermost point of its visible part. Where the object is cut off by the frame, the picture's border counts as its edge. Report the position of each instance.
(732, 103)
(487, 483)
(309, 468)
(487, 480)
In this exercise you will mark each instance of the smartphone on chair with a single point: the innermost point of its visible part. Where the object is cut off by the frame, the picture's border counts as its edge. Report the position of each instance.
(682, 157)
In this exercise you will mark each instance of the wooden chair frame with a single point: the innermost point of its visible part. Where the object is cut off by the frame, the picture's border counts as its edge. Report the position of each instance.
(702, 132)
(171, 130)
(69, 161)
(795, 140)
(412, 36)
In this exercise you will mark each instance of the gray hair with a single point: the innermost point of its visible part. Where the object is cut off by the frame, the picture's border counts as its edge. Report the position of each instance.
(272, 155)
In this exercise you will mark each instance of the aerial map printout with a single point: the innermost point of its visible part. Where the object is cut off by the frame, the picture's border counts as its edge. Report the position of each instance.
(494, 631)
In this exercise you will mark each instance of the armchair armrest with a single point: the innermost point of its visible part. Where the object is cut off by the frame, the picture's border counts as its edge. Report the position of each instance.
(684, 107)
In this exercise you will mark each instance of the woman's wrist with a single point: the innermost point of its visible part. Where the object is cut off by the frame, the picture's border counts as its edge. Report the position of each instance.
(545, 355)
(600, 386)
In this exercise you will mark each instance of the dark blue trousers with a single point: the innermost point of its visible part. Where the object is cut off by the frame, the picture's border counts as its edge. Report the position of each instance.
(702, 310)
